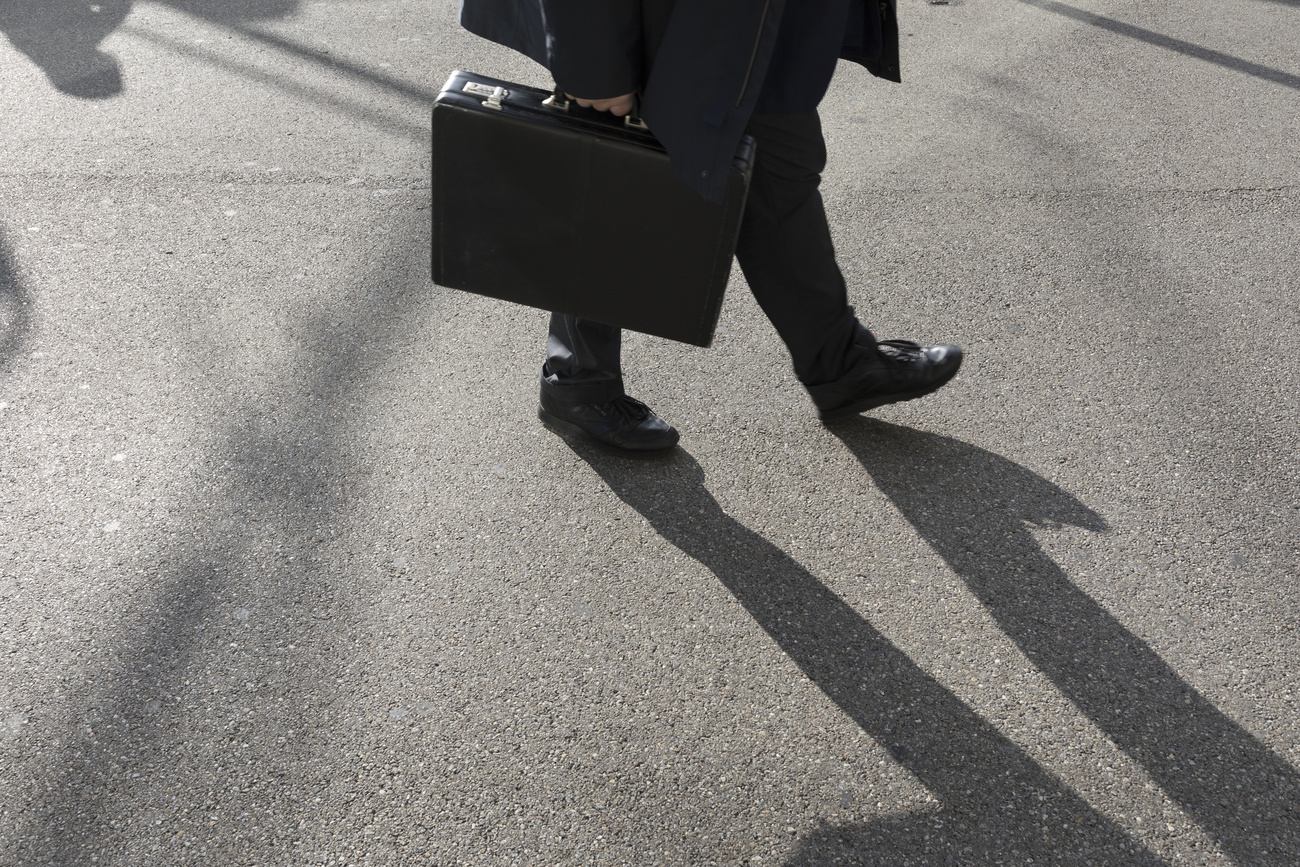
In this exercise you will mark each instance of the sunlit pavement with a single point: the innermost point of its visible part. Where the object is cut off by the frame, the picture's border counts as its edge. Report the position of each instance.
(292, 575)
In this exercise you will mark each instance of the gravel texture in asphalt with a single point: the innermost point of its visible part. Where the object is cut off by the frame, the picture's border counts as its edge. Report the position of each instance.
(292, 575)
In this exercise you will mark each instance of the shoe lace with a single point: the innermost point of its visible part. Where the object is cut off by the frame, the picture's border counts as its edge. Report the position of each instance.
(899, 350)
(628, 407)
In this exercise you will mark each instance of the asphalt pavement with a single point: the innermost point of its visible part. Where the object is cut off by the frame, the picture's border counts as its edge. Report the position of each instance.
(292, 575)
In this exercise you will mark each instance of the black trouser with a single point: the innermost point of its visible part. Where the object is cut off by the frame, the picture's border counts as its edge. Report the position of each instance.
(786, 253)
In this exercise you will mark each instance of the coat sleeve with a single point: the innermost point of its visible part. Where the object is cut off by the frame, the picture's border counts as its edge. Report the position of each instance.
(517, 24)
(595, 46)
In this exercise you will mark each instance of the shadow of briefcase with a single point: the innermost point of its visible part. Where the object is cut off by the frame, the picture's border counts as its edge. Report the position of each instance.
(576, 211)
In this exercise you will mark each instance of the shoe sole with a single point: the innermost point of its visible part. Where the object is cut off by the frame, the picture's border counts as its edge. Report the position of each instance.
(867, 403)
(570, 431)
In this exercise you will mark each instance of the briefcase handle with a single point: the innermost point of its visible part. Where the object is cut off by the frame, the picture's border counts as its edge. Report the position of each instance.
(559, 101)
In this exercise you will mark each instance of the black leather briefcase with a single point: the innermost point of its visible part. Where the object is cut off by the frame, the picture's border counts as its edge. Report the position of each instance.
(575, 211)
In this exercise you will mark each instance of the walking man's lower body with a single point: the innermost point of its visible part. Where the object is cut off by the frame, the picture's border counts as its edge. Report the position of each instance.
(788, 259)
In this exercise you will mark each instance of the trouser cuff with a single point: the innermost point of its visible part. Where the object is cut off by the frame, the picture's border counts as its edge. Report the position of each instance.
(581, 391)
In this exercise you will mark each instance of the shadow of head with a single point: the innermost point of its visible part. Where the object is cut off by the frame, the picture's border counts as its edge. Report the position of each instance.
(62, 37)
(943, 484)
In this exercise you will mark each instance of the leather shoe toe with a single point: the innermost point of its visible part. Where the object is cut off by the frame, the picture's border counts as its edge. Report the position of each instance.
(624, 426)
(899, 370)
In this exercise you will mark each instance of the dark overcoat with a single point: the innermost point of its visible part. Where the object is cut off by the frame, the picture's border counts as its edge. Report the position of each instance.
(698, 65)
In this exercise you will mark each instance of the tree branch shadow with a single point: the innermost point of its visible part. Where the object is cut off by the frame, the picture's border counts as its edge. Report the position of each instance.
(1190, 49)
(169, 702)
(15, 310)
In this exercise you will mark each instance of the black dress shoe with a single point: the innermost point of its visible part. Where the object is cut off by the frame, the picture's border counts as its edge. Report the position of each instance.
(900, 370)
(624, 426)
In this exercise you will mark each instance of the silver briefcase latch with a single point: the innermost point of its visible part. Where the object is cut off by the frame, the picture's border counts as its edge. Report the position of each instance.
(557, 101)
(494, 94)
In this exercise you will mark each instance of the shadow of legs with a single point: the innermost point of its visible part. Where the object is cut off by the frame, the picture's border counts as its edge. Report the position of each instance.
(976, 509)
(997, 803)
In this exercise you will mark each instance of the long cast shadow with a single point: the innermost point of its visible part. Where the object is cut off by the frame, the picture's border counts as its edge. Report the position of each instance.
(1190, 49)
(309, 90)
(998, 804)
(976, 510)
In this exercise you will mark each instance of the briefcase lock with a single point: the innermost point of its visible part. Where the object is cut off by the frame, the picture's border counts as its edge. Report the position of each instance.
(494, 94)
